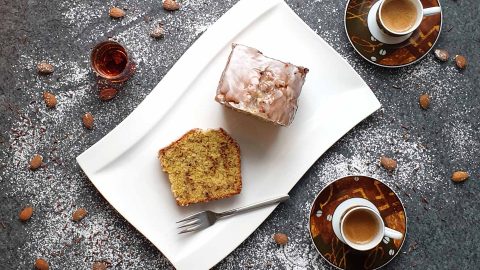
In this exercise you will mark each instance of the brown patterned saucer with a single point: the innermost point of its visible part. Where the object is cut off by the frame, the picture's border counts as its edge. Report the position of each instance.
(336, 252)
(406, 53)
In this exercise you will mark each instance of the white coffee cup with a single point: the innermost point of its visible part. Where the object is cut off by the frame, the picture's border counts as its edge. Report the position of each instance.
(346, 208)
(385, 34)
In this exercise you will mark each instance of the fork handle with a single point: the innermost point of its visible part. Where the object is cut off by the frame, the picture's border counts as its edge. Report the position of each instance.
(253, 206)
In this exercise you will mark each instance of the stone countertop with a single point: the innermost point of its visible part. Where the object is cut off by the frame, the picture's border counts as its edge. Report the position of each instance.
(443, 220)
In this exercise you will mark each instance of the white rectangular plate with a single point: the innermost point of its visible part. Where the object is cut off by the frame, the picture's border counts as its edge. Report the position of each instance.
(124, 166)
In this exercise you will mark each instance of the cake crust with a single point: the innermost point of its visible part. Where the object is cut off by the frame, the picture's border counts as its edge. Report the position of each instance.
(236, 186)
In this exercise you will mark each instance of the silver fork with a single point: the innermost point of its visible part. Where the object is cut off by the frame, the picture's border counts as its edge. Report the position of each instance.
(204, 219)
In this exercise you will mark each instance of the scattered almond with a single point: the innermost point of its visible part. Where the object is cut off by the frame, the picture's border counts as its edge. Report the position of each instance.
(460, 176)
(441, 55)
(158, 31)
(50, 99)
(388, 163)
(116, 12)
(99, 266)
(26, 213)
(171, 5)
(79, 214)
(280, 238)
(87, 120)
(41, 264)
(108, 93)
(36, 162)
(44, 68)
(461, 61)
(424, 101)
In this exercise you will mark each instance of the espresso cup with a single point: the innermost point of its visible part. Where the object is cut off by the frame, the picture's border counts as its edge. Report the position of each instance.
(357, 223)
(402, 17)
(393, 21)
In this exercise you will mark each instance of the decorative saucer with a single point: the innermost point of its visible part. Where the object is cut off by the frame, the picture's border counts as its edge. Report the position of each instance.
(336, 252)
(402, 54)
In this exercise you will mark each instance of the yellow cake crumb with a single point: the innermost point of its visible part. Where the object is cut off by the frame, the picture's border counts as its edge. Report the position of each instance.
(202, 165)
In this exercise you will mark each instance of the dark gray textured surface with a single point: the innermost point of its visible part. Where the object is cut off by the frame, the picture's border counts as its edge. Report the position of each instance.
(443, 221)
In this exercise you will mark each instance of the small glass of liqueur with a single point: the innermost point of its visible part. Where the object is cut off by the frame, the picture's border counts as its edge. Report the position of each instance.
(111, 62)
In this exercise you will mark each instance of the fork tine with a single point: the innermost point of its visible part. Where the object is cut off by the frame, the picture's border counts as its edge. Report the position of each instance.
(190, 223)
(192, 229)
(189, 217)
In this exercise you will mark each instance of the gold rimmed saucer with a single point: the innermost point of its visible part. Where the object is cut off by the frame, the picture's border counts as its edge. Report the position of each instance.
(402, 54)
(323, 236)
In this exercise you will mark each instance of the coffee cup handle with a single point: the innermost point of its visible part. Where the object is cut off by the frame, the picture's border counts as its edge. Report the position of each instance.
(431, 11)
(393, 234)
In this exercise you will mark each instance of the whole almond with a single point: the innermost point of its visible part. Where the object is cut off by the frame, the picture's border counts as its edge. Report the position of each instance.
(158, 31)
(280, 238)
(79, 214)
(461, 61)
(460, 176)
(424, 101)
(171, 5)
(44, 68)
(99, 266)
(388, 163)
(87, 120)
(26, 213)
(36, 162)
(50, 99)
(441, 55)
(41, 264)
(116, 12)
(108, 93)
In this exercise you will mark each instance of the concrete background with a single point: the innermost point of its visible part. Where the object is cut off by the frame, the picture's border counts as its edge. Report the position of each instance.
(443, 220)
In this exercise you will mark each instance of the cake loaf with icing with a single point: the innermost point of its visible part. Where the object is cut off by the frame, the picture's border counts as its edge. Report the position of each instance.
(261, 86)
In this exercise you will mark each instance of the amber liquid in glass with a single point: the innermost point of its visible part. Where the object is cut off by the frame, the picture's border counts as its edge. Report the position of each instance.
(110, 61)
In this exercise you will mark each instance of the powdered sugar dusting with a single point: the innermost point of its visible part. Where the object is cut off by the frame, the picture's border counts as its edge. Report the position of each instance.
(80, 12)
(400, 130)
(58, 188)
(461, 139)
(369, 145)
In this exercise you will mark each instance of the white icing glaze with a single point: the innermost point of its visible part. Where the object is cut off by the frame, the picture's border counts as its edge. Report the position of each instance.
(260, 85)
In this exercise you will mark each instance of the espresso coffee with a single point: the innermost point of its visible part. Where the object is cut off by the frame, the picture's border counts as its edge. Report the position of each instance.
(398, 15)
(360, 226)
